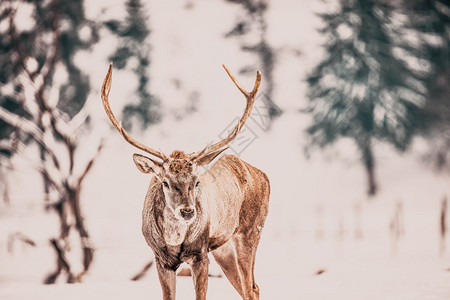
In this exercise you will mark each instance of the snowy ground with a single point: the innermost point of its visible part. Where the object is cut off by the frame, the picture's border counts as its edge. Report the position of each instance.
(319, 219)
(312, 226)
(345, 278)
(348, 279)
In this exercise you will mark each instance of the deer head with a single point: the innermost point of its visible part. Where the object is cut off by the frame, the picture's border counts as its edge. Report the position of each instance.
(178, 173)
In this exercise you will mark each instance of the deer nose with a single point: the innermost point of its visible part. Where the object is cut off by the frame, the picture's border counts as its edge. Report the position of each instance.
(187, 212)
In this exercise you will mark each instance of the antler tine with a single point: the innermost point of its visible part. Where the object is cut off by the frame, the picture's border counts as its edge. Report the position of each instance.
(243, 91)
(106, 87)
(250, 96)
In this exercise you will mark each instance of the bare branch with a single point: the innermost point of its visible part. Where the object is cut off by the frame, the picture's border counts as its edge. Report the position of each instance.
(19, 122)
(62, 263)
(20, 237)
(30, 128)
(42, 168)
(143, 271)
(80, 118)
(90, 163)
(57, 186)
(8, 145)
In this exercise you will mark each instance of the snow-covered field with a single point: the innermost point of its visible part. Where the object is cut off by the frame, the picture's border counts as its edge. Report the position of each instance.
(312, 226)
(320, 220)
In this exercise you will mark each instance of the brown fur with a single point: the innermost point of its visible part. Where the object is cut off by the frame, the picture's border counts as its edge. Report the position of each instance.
(180, 164)
(231, 205)
(177, 154)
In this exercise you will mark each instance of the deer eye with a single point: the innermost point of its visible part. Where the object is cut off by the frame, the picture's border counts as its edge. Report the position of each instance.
(197, 184)
(165, 184)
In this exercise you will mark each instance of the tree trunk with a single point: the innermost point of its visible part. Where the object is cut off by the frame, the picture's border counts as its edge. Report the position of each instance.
(365, 146)
(86, 245)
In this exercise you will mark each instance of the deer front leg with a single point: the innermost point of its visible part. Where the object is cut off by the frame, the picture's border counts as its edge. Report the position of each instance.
(167, 279)
(200, 276)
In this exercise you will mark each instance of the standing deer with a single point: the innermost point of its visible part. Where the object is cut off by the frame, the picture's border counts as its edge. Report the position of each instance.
(186, 213)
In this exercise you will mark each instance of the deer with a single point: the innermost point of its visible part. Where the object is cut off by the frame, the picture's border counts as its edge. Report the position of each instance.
(193, 207)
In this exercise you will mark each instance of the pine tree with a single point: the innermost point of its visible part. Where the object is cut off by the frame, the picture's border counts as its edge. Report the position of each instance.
(366, 87)
(133, 34)
(253, 22)
(430, 19)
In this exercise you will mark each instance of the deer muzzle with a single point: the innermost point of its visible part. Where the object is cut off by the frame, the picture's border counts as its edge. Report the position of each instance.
(186, 212)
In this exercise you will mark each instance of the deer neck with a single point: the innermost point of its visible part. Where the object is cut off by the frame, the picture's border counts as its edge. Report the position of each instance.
(174, 232)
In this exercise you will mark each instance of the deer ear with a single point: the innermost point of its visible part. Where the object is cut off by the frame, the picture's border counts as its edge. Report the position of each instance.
(146, 165)
(204, 160)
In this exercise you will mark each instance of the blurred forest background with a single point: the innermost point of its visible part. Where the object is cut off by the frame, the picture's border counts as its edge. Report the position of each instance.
(367, 82)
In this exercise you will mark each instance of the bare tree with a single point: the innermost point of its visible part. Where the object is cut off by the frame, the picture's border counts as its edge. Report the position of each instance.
(42, 115)
(63, 183)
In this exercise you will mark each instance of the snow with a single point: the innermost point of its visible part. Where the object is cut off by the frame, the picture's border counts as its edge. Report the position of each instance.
(320, 219)
(291, 251)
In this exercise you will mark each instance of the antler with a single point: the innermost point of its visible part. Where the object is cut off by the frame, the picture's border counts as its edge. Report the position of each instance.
(250, 96)
(106, 87)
